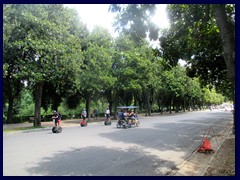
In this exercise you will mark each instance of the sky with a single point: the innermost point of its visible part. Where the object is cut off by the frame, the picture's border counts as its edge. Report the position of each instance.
(97, 14)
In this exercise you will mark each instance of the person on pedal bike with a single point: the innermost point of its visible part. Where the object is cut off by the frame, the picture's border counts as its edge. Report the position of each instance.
(132, 114)
(107, 114)
(56, 118)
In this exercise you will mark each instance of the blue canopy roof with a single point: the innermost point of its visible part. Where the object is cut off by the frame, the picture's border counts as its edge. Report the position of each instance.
(127, 107)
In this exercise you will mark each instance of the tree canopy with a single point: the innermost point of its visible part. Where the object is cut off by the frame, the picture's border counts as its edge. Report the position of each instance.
(52, 60)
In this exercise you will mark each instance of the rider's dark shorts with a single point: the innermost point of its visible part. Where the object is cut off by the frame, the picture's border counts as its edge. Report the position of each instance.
(57, 120)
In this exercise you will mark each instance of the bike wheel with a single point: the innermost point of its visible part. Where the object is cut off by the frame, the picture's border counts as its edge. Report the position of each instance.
(59, 129)
(118, 125)
(54, 129)
(138, 123)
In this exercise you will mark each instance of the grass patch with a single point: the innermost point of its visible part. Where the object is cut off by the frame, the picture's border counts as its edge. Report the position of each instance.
(23, 129)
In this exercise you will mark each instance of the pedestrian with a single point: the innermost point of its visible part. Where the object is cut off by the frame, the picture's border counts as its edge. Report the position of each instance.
(94, 114)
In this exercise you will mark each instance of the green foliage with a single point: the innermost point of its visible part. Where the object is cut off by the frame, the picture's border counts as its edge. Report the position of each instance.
(42, 46)
(135, 20)
(174, 81)
(194, 36)
(48, 45)
(26, 104)
(211, 97)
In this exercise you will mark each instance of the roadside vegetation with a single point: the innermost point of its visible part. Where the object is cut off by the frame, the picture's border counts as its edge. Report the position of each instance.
(22, 129)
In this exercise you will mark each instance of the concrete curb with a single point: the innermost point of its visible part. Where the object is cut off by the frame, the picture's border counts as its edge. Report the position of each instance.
(49, 128)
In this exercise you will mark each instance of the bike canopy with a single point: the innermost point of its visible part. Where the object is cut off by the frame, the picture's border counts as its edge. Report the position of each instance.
(127, 107)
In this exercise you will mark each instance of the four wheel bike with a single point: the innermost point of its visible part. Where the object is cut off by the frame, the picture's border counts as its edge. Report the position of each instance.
(127, 120)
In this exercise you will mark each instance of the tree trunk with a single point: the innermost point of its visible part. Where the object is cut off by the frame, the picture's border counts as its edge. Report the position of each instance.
(88, 100)
(115, 115)
(227, 32)
(184, 105)
(159, 105)
(38, 100)
(147, 104)
(110, 107)
(171, 102)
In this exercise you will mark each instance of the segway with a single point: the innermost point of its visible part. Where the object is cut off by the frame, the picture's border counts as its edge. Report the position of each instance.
(83, 123)
(107, 122)
(57, 129)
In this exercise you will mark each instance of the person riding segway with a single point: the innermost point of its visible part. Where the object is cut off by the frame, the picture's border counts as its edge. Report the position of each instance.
(56, 119)
(84, 116)
(107, 115)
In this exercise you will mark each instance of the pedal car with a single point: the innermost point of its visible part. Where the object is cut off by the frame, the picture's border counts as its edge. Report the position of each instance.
(127, 117)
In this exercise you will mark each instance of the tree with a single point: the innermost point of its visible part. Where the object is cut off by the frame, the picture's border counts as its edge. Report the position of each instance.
(204, 35)
(130, 60)
(194, 94)
(226, 25)
(211, 97)
(193, 36)
(46, 49)
(13, 83)
(96, 76)
(135, 20)
(174, 81)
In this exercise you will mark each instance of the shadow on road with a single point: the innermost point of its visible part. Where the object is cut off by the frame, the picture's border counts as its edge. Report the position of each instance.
(152, 150)
(100, 161)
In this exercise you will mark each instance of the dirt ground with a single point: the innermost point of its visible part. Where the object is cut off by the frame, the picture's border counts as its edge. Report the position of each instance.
(221, 162)
(224, 161)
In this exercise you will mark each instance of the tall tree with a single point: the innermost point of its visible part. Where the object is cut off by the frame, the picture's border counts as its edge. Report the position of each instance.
(47, 50)
(225, 19)
(226, 25)
(135, 20)
(193, 36)
(13, 83)
(96, 76)
(130, 60)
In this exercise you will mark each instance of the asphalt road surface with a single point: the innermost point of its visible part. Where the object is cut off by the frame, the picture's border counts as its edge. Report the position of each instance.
(153, 149)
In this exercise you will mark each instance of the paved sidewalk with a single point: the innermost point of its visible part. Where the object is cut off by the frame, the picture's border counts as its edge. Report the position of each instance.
(64, 123)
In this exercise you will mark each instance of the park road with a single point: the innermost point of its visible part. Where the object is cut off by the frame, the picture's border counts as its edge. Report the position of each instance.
(155, 148)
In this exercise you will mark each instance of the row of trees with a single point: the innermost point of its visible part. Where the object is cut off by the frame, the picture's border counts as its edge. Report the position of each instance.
(202, 34)
(51, 52)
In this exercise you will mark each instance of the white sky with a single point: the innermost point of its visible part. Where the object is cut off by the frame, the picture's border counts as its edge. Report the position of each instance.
(97, 14)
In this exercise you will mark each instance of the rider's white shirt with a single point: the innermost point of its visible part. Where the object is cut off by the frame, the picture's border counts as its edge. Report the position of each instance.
(107, 111)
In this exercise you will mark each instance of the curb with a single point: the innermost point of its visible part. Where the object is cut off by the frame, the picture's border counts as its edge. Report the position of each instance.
(46, 128)
(26, 131)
